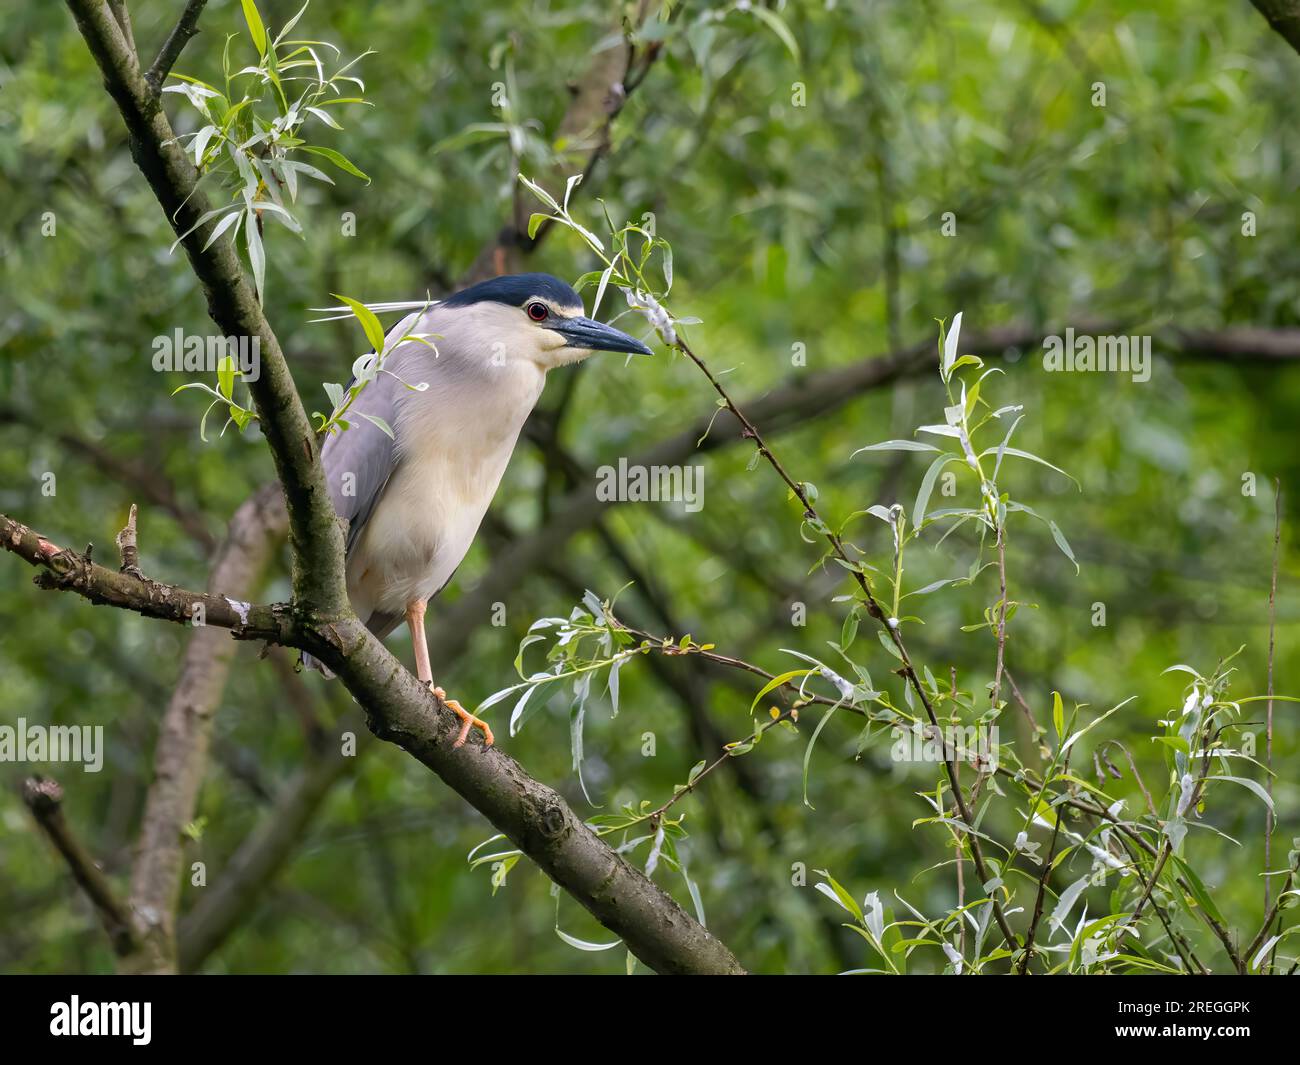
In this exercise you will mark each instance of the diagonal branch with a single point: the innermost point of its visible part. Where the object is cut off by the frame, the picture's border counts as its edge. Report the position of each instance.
(186, 28)
(890, 628)
(1284, 17)
(184, 734)
(44, 798)
(315, 535)
(62, 569)
(400, 710)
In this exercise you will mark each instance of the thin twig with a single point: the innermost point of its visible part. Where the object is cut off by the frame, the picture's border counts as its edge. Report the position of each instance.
(890, 625)
(44, 797)
(1151, 806)
(667, 645)
(1273, 911)
(186, 27)
(996, 692)
(1042, 891)
(656, 814)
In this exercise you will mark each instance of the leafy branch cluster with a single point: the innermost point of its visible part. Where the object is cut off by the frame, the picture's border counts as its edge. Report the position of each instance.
(1142, 856)
(254, 127)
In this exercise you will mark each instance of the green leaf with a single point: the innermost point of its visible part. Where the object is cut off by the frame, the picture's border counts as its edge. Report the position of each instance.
(518, 712)
(335, 392)
(255, 28)
(849, 631)
(950, 346)
(776, 682)
(540, 193)
(373, 329)
(379, 423)
(1095, 721)
(1032, 458)
(600, 289)
(807, 754)
(583, 944)
(1199, 893)
(927, 487)
(200, 142)
(1058, 714)
(256, 254)
(897, 445)
(288, 26)
(934, 586)
(234, 218)
(832, 890)
(1253, 785)
(337, 158)
(777, 25)
(205, 217)
(1063, 543)
(226, 377)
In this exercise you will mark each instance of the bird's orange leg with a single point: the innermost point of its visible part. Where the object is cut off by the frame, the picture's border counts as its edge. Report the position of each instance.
(415, 622)
(468, 720)
(424, 671)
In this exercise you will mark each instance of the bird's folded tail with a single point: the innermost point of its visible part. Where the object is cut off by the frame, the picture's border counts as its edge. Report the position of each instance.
(379, 623)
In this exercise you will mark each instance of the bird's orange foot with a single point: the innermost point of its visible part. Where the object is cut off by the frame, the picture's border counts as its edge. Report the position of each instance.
(468, 720)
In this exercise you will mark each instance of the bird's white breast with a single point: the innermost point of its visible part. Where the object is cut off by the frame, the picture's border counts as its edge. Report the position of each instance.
(454, 443)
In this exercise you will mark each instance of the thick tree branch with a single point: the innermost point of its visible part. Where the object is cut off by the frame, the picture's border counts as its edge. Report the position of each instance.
(536, 819)
(63, 569)
(1284, 17)
(315, 535)
(184, 734)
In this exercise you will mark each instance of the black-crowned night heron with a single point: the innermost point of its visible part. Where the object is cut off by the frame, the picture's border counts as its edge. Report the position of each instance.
(414, 502)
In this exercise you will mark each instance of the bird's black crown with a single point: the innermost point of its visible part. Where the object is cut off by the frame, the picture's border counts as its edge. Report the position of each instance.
(515, 289)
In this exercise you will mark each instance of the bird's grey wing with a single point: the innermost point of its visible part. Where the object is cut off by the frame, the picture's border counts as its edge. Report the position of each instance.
(382, 624)
(359, 460)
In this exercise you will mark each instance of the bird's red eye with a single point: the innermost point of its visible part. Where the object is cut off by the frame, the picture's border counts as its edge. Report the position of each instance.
(537, 312)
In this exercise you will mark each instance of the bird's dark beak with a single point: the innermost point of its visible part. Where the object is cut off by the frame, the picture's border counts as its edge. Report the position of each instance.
(597, 336)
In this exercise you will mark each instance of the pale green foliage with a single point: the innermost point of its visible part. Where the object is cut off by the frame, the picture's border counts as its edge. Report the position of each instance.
(253, 138)
(1130, 938)
(224, 393)
(781, 216)
(369, 365)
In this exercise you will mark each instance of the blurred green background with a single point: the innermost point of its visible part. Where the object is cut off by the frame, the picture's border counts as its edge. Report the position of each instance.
(803, 190)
